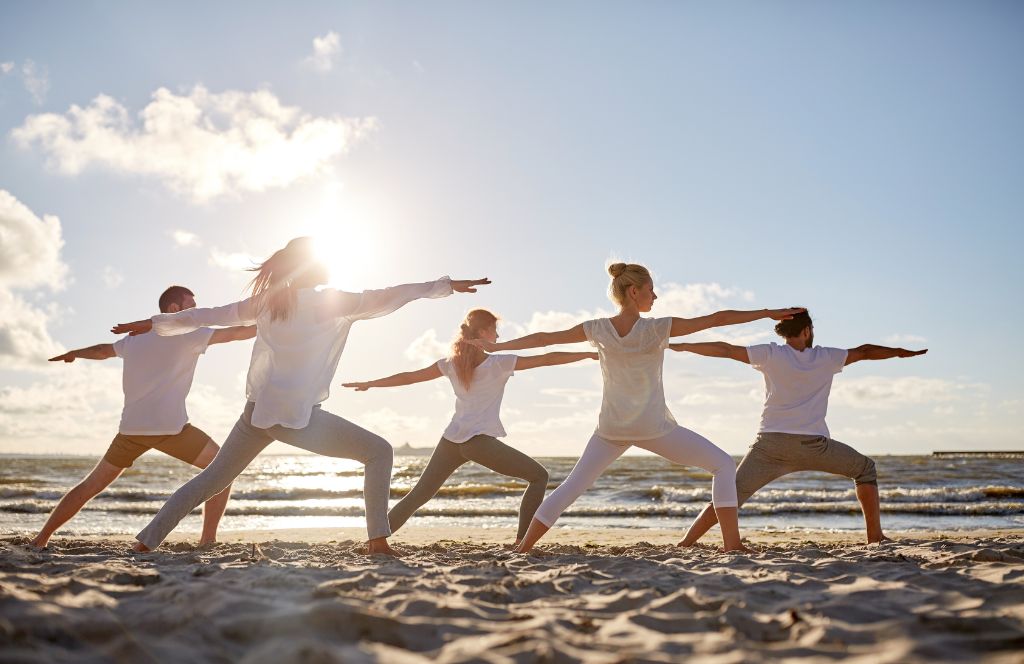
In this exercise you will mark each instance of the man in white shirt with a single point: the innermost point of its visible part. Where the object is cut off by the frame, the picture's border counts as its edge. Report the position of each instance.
(793, 435)
(157, 377)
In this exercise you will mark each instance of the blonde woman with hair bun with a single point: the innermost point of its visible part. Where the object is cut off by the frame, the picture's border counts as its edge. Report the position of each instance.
(478, 380)
(633, 411)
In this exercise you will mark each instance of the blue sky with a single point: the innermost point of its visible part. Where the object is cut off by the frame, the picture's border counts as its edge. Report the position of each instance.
(861, 159)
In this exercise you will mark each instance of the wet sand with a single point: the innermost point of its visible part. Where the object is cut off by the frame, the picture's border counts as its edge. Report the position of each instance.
(458, 595)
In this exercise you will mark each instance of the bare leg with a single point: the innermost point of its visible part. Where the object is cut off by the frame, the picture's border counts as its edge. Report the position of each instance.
(74, 500)
(867, 494)
(533, 533)
(213, 509)
(702, 524)
(728, 519)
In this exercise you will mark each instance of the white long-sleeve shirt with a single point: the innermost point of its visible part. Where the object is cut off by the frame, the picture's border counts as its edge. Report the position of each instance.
(294, 360)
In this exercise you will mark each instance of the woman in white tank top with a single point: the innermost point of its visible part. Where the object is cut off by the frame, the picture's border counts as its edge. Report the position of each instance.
(633, 410)
(478, 380)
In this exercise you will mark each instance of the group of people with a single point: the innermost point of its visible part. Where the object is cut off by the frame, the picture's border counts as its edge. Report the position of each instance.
(300, 331)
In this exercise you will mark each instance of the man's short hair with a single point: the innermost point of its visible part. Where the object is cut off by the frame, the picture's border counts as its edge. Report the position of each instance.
(173, 295)
(787, 329)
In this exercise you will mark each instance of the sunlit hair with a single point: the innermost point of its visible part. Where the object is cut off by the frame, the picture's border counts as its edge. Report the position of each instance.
(787, 329)
(173, 295)
(465, 356)
(273, 286)
(625, 275)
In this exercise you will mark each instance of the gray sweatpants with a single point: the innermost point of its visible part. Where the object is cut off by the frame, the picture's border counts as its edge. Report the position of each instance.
(776, 454)
(325, 434)
(488, 452)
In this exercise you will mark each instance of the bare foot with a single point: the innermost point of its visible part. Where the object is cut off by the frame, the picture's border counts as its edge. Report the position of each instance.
(380, 546)
(880, 541)
(742, 548)
(683, 544)
(141, 548)
(38, 543)
(207, 543)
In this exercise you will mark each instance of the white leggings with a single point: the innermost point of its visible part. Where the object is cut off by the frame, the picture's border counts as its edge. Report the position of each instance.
(680, 446)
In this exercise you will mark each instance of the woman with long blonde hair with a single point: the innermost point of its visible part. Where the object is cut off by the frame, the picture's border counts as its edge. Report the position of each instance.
(478, 380)
(633, 410)
(300, 334)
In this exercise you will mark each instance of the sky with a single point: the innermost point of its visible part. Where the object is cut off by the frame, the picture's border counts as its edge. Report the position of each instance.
(864, 160)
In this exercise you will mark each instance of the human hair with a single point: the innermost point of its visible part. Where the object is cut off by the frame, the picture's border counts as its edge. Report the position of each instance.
(787, 329)
(274, 286)
(173, 295)
(465, 356)
(623, 276)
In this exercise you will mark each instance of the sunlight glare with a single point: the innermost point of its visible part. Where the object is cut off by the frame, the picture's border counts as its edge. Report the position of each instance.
(345, 240)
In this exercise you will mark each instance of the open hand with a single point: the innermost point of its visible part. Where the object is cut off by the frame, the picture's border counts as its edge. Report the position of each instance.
(468, 285)
(138, 327)
(66, 357)
(903, 352)
(785, 314)
(358, 387)
(482, 344)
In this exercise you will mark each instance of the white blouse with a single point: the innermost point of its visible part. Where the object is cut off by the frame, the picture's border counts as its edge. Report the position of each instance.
(294, 360)
(633, 403)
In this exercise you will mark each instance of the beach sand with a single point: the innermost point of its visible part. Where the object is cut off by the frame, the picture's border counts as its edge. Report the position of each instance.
(458, 596)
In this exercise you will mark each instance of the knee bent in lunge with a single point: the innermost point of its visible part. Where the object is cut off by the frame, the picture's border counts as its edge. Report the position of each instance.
(867, 474)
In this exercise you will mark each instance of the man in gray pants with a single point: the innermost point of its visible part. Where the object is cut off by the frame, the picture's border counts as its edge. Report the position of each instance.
(793, 435)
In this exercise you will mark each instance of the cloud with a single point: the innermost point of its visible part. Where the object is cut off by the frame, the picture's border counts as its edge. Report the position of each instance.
(185, 238)
(426, 348)
(908, 339)
(30, 260)
(201, 145)
(324, 50)
(393, 426)
(571, 396)
(232, 261)
(30, 251)
(36, 79)
(6, 68)
(887, 393)
(112, 277)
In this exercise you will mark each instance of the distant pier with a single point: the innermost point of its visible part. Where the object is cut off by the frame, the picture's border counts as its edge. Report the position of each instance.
(981, 453)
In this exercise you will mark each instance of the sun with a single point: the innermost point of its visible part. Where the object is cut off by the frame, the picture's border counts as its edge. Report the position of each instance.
(345, 239)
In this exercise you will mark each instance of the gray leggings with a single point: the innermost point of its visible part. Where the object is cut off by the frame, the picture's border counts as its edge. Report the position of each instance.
(776, 454)
(486, 451)
(325, 434)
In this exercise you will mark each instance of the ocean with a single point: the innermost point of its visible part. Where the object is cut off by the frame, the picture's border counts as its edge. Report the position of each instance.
(303, 491)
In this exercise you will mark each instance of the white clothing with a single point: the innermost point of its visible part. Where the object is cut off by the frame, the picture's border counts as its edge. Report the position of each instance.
(633, 403)
(156, 379)
(797, 384)
(477, 409)
(294, 360)
(680, 446)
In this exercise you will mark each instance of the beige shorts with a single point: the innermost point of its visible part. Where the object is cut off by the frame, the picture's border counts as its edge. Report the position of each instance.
(186, 445)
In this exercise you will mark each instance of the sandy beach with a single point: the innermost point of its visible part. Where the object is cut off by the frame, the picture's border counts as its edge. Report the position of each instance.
(457, 595)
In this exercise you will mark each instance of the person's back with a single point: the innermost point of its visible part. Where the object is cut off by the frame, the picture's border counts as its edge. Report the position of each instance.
(156, 379)
(797, 386)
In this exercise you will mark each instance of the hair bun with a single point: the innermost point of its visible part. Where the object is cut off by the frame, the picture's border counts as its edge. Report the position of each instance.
(616, 269)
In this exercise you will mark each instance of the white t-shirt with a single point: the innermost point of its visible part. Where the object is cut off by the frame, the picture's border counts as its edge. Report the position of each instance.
(156, 379)
(294, 360)
(796, 386)
(633, 404)
(477, 410)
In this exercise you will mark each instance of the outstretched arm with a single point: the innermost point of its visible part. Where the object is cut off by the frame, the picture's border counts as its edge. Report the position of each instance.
(551, 359)
(681, 326)
(536, 340)
(377, 303)
(714, 349)
(97, 352)
(226, 334)
(399, 379)
(189, 320)
(873, 352)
